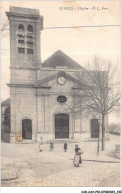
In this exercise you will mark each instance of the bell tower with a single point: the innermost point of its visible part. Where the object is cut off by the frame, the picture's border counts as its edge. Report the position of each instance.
(25, 62)
(25, 27)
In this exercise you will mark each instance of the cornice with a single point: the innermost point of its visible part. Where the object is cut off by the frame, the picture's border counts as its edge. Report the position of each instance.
(26, 86)
(21, 85)
(23, 15)
(24, 68)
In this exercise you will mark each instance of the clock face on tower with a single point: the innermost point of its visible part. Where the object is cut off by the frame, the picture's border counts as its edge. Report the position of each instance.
(61, 80)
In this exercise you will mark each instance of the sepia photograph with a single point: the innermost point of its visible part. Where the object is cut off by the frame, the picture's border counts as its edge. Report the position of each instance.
(60, 94)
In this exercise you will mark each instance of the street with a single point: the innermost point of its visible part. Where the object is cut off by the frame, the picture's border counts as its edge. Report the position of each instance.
(41, 169)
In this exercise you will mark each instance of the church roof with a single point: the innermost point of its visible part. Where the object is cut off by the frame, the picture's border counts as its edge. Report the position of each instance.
(6, 102)
(60, 59)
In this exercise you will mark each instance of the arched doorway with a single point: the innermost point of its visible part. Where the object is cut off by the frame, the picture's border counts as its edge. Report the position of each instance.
(61, 126)
(94, 128)
(26, 129)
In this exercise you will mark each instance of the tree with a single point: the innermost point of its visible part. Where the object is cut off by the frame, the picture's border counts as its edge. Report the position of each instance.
(4, 28)
(100, 81)
(4, 23)
(6, 121)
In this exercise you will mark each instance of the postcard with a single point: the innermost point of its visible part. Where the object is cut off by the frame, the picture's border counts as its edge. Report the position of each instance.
(60, 95)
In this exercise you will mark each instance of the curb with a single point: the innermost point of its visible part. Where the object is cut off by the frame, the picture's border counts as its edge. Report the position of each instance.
(99, 161)
(102, 161)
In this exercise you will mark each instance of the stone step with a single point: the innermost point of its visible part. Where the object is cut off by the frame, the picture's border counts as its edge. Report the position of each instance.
(26, 142)
(56, 141)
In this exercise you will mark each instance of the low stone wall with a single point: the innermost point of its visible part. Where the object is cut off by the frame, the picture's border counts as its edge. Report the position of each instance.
(10, 137)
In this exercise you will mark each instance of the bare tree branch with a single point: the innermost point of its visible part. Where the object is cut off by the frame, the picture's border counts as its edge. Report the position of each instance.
(102, 92)
(4, 28)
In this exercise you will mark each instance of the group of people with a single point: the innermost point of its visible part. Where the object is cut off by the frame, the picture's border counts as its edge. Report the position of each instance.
(77, 157)
(51, 146)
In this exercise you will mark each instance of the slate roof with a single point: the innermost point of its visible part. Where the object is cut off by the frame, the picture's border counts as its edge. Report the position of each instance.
(60, 59)
(6, 102)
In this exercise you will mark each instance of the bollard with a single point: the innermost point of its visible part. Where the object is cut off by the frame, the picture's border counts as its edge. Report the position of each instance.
(117, 151)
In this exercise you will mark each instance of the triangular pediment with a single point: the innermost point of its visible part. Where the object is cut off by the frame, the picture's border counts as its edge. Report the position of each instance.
(45, 80)
(61, 60)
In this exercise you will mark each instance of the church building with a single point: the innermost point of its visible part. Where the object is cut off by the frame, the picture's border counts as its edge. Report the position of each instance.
(40, 92)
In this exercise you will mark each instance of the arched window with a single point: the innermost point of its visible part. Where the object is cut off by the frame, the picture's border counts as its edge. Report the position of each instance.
(21, 27)
(27, 129)
(30, 28)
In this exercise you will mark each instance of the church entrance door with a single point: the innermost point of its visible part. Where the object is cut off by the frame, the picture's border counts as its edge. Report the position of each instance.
(61, 126)
(26, 129)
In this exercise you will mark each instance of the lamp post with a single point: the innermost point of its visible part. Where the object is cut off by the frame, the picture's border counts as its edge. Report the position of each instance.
(98, 145)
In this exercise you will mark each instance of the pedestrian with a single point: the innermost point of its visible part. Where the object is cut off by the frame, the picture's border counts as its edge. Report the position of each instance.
(41, 147)
(77, 157)
(65, 146)
(51, 145)
(41, 140)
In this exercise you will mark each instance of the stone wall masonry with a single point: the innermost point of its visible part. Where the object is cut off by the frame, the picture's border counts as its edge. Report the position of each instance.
(86, 124)
(23, 76)
(46, 137)
(77, 125)
(23, 107)
(12, 138)
(81, 137)
(41, 113)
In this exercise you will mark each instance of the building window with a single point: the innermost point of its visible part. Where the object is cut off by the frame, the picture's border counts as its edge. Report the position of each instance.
(21, 41)
(21, 28)
(30, 44)
(30, 51)
(31, 37)
(30, 28)
(21, 50)
(20, 36)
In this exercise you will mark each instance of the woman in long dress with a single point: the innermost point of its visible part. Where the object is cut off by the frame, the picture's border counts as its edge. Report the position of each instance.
(77, 156)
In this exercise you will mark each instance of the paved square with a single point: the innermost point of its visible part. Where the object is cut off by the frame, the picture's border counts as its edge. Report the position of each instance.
(26, 166)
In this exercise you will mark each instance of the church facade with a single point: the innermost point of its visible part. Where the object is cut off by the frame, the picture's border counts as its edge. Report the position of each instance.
(40, 93)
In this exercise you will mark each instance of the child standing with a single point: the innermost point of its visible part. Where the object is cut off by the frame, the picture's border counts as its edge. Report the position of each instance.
(41, 147)
(51, 145)
(65, 146)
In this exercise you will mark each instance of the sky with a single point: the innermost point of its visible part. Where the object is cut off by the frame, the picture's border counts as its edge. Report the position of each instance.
(81, 44)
